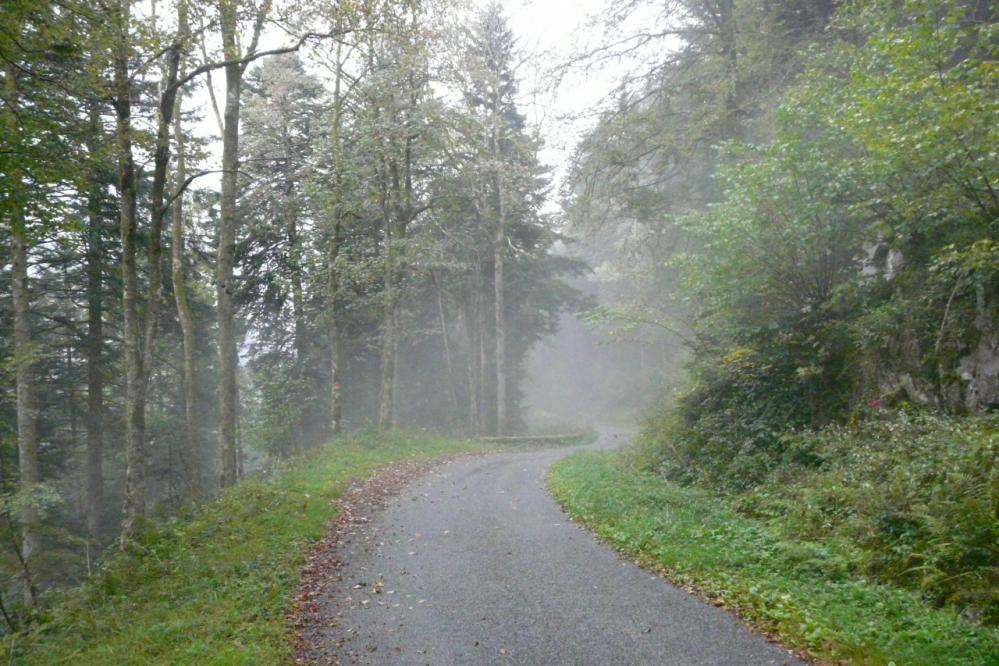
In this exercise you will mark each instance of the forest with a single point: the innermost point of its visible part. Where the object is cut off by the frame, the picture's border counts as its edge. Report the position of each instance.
(361, 246)
(236, 231)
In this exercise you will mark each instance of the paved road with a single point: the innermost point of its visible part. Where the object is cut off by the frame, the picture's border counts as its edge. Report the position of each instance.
(476, 564)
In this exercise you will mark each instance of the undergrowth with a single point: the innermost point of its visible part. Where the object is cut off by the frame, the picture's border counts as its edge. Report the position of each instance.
(805, 592)
(913, 498)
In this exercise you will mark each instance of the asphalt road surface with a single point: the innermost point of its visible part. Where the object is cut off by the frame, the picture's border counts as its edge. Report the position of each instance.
(476, 564)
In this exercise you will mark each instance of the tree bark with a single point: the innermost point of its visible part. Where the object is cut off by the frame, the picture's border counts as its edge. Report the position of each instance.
(158, 210)
(139, 355)
(224, 266)
(93, 478)
(236, 63)
(487, 351)
(470, 320)
(499, 276)
(297, 301)
(333, 276)
(27, 431)
(446, 343)
(499, 300)
(135, 499)
(192, 441)
(389, 341)
(27, 426)
(228, 399)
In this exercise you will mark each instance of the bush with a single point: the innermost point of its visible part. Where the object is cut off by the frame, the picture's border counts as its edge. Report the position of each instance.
(915, 496)
(919, 495)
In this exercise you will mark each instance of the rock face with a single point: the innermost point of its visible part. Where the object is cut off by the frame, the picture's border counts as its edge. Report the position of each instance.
(880, 260)
(892, 368)
(980, 372)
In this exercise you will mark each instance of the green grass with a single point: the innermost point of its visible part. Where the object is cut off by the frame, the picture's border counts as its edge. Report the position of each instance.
(214, 588)
(802, 592)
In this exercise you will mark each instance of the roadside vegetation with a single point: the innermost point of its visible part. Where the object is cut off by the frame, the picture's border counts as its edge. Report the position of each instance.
(213, 587)
(808, 592)
(908, 500)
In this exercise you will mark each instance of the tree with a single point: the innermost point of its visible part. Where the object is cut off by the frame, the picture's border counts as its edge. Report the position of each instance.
(282, 125)
(192, 439)
(33, 47)
(397, 101)
(491, 91)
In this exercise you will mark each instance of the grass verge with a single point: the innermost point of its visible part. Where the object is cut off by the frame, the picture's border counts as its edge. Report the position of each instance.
(213, 588)
(800, 592)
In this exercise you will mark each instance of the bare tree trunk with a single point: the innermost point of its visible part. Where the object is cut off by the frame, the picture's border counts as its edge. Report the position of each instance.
(93, 478)
(487, 353)
(448, 363)
(226, 254)
(499, 277)
(333, 281)
(228, 394)
(499, 287)
(336, 370)
(135, 497)
(390, 305)
(158, 209)
(27, 432)
(192, 441)
(470, 319)
(139, 357)
(297, 301)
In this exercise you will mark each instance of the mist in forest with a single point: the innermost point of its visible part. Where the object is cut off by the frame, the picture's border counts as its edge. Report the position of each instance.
(589, 374)
(236, 234)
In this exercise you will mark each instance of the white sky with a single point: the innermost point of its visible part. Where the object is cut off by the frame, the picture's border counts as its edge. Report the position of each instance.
(548, 33)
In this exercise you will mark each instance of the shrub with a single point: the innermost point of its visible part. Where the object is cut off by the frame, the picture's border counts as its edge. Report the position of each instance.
(915, 496)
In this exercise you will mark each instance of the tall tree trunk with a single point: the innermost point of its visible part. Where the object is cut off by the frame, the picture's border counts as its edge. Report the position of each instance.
(487, 352)
(389, 341)
(333, 277)
(139, 357)
(499, 275)
(499, 299)
(226, 311)
(226, 255)
(158, 209)
(398, 207)
(24, 379)
(74, 427)
(93, 478)
(399, 211)
(297, 301)
(27, 432)
(192, 441)
(228, 394)
(336, 374)
(445, 342)
(470, 321)
(27, 426)
(135, 498)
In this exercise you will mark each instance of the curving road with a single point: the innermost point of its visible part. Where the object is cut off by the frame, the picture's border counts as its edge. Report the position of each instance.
(476, 564)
